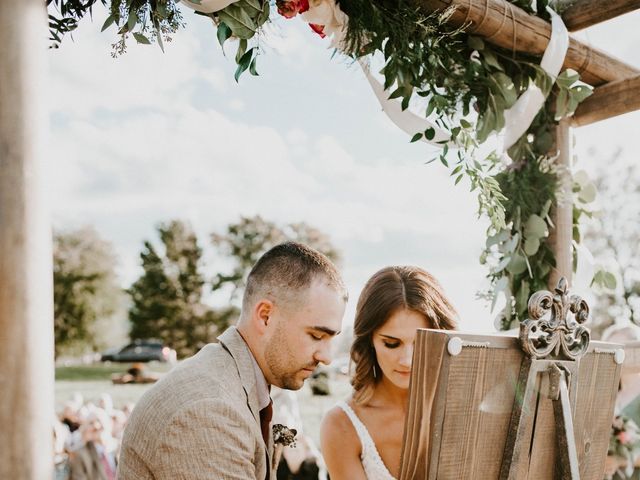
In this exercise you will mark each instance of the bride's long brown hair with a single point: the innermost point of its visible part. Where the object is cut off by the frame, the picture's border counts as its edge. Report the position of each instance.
(390, 289)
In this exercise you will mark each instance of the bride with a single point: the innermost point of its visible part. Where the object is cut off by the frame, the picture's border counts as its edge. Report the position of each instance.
(361, 438)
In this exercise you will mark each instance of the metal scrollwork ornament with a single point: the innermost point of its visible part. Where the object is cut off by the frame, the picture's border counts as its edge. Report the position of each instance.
(549, 332)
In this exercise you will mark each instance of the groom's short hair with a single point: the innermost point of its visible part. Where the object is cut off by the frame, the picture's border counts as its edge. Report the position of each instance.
(288, 268)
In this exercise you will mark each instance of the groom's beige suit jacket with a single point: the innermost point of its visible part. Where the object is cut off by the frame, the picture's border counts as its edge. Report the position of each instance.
(201, 421)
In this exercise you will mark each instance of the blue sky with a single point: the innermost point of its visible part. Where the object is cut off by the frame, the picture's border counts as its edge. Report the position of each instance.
(150, 136)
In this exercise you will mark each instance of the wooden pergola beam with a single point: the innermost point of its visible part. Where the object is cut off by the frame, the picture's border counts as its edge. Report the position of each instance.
(510, 27)
(585, 13)
(610, 100)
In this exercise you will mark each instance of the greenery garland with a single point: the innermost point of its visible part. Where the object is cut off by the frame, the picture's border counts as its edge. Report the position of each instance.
(467, 85)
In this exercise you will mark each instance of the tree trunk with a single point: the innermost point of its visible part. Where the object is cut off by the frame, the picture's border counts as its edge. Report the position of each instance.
(26, 306)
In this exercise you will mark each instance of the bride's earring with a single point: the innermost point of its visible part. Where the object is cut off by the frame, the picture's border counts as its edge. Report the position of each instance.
(375, 375)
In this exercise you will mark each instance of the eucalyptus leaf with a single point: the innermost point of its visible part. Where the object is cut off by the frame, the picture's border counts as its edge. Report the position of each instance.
(238, 19)
(588, 193)
(491, 59)
(140, 38)
(476, 43)
(108, 22)
(132, 20)
(430, 133)
(567, 78)
(416, 137)
(252, 68)
(224, 33)
(531, 246)
(517, 265)
(609, 280)
(535, 227)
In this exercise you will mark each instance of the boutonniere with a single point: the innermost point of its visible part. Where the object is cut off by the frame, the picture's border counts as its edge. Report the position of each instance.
(283, 435)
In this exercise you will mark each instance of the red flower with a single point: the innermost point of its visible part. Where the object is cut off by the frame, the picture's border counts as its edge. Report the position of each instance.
(290, 8)
(319, 29)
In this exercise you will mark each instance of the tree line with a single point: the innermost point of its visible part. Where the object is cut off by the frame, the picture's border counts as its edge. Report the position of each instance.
(171, 300)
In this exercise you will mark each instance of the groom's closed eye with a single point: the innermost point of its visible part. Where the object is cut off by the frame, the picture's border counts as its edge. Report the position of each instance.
(321, 333)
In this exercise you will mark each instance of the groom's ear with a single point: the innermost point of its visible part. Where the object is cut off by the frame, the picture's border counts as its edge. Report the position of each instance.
(262, 314)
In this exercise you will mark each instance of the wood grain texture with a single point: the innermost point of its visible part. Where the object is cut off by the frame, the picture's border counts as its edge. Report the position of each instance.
(510, 27)
(460, 410)
(26, 291)
(585, 13)
(609, 100)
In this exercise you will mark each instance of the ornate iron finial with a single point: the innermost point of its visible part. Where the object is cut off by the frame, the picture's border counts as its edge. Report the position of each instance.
(548, 332)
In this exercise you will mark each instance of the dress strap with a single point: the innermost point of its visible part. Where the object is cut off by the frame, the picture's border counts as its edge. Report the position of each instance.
(361, 429)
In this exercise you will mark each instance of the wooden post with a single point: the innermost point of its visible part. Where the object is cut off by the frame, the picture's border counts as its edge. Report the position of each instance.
(26, 310)
(562, 235)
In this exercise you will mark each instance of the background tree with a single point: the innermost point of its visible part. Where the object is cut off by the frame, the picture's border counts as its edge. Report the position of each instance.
(167, 300)
(614, 240)
(86, 292)
(244, 242)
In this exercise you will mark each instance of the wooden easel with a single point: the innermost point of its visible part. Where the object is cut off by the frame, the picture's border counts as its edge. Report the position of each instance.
(554, 347)
(504, 408)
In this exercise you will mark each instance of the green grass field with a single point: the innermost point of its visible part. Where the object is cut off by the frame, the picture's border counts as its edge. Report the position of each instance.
(93, 380)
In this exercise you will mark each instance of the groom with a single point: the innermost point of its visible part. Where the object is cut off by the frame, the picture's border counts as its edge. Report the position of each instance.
(208, 419)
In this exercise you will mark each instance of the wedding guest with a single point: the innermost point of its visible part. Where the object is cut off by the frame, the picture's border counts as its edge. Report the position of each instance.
(361, 438)
(96, 459)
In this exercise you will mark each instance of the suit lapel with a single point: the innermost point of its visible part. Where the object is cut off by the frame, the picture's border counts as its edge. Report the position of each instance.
(233, 342)
(237, 347)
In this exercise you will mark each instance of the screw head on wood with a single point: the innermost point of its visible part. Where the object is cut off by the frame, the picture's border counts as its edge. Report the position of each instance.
(454, 347)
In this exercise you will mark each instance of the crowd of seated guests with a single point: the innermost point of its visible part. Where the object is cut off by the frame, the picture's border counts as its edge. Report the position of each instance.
(87, 439)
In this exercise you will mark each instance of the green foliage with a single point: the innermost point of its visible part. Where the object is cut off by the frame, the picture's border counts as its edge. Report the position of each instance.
(64, 16)
(167, 298)
(244, 242)
(86, 293)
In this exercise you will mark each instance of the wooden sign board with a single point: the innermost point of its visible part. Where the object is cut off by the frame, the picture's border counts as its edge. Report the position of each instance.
(462, 395)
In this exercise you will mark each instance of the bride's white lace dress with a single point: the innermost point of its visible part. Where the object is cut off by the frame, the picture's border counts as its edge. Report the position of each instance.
(374, 467)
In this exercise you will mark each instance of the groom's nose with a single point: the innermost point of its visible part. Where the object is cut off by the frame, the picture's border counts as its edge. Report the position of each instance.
(323, 354)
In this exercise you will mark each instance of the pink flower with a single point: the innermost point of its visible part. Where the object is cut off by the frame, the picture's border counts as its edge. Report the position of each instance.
(319, 29)
(625, 437)
(290, 8)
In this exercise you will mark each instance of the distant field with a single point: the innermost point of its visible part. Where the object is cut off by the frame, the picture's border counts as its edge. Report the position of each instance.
(93, 380)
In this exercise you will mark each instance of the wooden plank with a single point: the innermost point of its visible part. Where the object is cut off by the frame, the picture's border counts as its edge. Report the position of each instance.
(26, 290)
(585, 13)
(461, 405)
(609, 100)
(510, 27)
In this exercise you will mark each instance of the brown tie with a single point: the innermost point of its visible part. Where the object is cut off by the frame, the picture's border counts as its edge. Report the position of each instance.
(265, 420)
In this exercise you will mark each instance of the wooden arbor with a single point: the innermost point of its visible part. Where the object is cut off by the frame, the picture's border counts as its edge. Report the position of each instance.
(26, 325)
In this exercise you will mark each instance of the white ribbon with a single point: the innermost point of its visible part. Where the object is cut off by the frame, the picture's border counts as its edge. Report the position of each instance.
(406, 120)
(518, 118)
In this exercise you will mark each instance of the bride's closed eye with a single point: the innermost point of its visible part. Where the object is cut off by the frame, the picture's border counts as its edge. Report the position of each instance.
(391, 344)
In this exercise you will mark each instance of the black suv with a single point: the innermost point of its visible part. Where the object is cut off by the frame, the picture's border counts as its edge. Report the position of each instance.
(140, 351)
